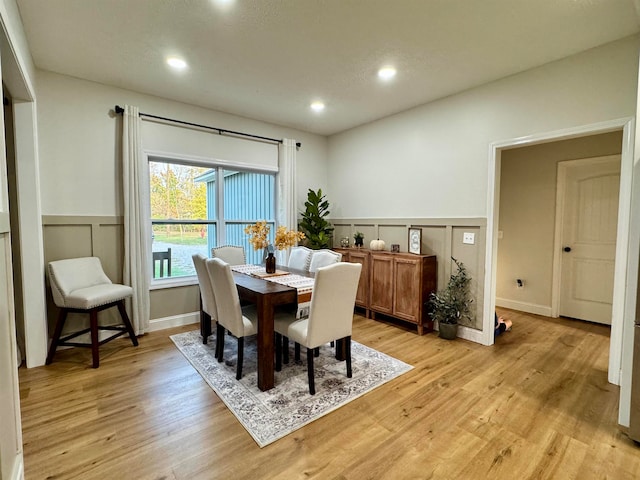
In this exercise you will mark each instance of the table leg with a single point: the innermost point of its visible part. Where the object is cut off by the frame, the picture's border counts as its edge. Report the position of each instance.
(341, 349)
(265, 343)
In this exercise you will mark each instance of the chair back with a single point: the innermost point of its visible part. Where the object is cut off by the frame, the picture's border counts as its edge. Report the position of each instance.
(226, 295)
(231, 254)
(206, 290)
(299, 258)
(322, 258)
(332, 302)
(72, 274)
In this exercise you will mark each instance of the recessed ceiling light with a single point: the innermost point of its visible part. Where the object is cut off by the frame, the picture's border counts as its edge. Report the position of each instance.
(387, 73)
(176, 63)
(317, 106)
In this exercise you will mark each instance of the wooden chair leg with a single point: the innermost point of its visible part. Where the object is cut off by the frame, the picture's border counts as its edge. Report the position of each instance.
(312, 383)
(62, 317)
(240, 358)
(316, 352)
(348, 348)
(278, 351)
(127, 323)
(219, 342)
(285, 349)
(296, 352)
(95, 345)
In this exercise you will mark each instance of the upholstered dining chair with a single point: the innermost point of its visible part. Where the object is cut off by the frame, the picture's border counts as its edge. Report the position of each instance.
(208, 312)
(231, 254)
(330, 315)
(322, 258)
(299, 258)
(80, 285)
(240, 322)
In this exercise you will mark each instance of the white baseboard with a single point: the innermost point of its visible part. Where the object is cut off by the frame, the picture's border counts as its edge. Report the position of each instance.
(470, 334)
(173, 321)
(524, 307)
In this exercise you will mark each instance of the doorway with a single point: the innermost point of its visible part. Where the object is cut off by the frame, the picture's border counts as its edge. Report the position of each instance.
(624, 292)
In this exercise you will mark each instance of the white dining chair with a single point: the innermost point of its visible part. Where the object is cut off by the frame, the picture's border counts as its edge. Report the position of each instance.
(239, 322)
(322, 258)
(231, 254)
(330, 315)
(299, 258)
(208, 312)
(80, 285)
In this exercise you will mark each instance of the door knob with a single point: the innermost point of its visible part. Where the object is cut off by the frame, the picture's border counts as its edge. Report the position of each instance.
(567, 249)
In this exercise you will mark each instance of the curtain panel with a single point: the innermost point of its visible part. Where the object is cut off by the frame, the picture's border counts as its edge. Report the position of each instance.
(286, 181)
(137, 236)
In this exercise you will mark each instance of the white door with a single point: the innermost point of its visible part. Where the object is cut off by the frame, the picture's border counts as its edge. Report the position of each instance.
(589, 224)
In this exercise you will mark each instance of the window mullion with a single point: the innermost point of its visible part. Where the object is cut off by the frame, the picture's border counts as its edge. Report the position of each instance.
(222, 226)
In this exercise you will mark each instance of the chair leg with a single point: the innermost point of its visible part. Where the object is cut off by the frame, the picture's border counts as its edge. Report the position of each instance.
(296, 352)
(62, 317)
(219, 342)
(348, 348)
(95, 346)
(285, 349)
(240, 358)
(316, 352)
(127, 323)
(278, 352)
(312, 383)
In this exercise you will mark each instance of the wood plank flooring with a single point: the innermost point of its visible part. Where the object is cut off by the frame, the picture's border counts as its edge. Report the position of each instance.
(535, 405)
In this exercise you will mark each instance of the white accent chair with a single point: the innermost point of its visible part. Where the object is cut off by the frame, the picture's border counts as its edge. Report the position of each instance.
(330, 315)
(80, 285)
(231, 254)
(240, 322)
(208, 312)
(299, 258)
(322, 258)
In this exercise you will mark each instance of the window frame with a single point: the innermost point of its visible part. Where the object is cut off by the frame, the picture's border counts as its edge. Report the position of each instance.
(219, 221)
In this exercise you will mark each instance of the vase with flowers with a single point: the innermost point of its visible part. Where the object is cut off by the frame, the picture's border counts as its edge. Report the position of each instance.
(259, 239)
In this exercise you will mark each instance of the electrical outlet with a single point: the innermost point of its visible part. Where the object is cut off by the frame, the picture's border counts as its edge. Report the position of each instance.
(469, 238)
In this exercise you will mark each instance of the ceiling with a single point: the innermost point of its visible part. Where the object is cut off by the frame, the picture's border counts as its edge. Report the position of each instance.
(269, 59)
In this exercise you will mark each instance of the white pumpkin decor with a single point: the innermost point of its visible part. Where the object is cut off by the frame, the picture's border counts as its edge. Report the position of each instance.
(377, 245)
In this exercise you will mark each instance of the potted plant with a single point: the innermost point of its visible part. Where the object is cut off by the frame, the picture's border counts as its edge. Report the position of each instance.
(452, 304)
(317, 229)
(359, 239)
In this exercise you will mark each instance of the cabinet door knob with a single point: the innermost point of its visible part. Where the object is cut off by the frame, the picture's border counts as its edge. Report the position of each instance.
(567, 249)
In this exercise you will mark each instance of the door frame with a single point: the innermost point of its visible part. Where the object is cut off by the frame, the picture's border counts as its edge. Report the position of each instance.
(556, 279)
(626, 263)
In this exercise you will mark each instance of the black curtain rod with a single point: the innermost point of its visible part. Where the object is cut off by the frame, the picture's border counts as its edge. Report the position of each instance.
(119, 110)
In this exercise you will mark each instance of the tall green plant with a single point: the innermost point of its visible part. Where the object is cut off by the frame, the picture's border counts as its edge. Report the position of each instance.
(314, 225)
(453, 303)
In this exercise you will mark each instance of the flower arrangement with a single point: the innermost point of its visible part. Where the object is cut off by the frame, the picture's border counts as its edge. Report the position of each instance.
(259, 236)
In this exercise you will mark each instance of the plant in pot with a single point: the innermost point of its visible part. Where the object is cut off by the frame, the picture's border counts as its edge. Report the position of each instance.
(318, 231)
(359, 239)
(452, 304)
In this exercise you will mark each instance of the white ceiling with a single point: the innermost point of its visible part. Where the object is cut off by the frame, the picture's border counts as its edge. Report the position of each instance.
(268, 59)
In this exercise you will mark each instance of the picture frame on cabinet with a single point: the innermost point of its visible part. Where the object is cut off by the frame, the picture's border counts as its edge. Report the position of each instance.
(415, 241)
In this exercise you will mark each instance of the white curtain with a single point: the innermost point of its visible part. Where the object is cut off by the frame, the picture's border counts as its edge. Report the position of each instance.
(286, 179)
(136, 271)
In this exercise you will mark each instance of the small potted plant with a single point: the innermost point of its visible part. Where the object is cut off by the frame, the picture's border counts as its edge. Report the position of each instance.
(452, 304)
(359, 239)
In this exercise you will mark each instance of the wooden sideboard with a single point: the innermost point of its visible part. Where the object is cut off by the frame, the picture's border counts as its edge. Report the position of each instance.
(394, 284)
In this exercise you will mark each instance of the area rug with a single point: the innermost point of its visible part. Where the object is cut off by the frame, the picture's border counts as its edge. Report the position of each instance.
(271, 415)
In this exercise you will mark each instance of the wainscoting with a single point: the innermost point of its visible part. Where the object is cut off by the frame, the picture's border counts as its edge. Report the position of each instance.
(441, 237)
(67, 236)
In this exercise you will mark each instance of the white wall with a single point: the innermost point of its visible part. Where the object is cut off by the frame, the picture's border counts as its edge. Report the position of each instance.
(80, 147)
(432, 161)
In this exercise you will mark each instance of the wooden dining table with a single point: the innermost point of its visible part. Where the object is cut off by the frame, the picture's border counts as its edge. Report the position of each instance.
(266, 296)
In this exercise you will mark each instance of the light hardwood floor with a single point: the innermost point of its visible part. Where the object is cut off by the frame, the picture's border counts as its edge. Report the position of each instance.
(535, 405)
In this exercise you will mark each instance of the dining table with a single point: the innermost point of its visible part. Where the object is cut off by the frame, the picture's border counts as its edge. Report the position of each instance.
(267, 296)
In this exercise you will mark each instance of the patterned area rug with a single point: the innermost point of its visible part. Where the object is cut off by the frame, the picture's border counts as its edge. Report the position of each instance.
(271, 415)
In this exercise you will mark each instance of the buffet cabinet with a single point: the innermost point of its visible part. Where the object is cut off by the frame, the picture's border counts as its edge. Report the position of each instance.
(394, 284)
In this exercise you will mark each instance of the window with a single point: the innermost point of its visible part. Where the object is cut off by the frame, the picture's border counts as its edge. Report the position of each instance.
(194, 209)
